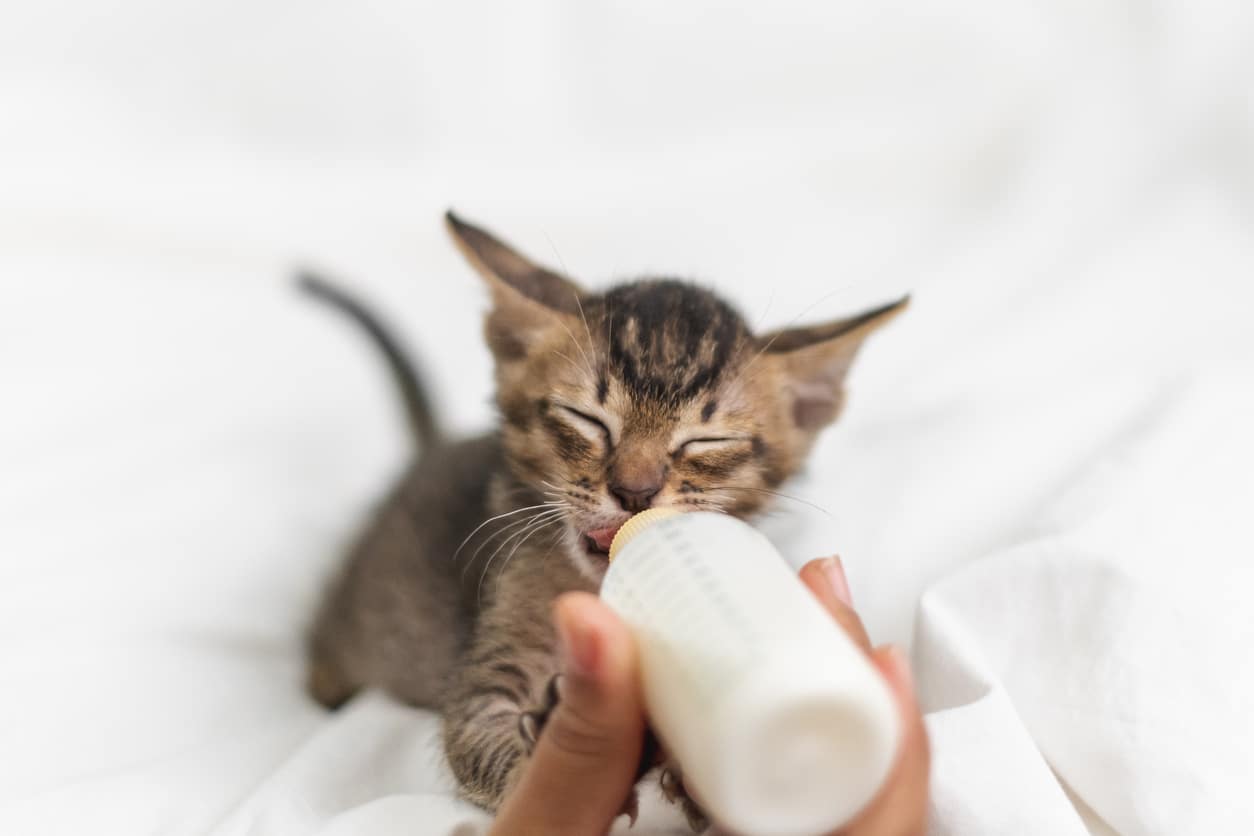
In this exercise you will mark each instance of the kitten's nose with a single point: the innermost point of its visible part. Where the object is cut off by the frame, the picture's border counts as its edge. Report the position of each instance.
(635, 499)
(636, 476)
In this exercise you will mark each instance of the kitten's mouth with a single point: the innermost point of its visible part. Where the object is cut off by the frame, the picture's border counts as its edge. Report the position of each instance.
(597, 541)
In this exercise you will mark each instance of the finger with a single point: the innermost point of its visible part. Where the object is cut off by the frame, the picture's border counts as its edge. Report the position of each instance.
(826, 579)
(585, 760)
(900, 808)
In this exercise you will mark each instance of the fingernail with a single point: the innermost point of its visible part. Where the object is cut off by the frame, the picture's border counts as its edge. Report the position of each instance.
(900, 664)
(581, 647)
(834, 571)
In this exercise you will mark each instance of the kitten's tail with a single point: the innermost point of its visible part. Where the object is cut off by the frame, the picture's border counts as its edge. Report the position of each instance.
(422, 423)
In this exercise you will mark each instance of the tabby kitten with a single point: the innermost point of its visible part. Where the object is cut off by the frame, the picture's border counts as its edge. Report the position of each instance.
(652, 393)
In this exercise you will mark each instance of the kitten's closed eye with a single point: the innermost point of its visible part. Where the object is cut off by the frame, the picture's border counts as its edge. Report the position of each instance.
(697, 446)
(589, 426)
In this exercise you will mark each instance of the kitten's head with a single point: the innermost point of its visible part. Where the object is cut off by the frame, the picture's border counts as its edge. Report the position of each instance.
(653, 393)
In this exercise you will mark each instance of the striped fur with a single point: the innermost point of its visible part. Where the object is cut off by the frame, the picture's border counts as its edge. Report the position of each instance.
(654, 392)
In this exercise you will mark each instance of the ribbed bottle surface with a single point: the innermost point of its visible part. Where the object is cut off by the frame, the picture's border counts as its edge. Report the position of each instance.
(779, 721)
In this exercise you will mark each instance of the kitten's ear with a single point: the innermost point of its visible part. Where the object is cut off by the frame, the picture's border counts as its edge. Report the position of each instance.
(527, 299)
(505, 269)
(815, 360)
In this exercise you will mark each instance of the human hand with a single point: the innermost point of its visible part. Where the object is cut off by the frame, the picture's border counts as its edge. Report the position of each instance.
(584, 765)
(900, 808)
(585, 761)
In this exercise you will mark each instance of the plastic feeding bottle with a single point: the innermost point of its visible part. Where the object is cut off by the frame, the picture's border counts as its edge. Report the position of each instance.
(779, 721)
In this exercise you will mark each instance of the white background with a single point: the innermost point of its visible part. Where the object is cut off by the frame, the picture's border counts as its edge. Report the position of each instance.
(1052, 441)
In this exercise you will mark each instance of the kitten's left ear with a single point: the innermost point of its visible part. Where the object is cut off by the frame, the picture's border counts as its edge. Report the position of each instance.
(814, 361)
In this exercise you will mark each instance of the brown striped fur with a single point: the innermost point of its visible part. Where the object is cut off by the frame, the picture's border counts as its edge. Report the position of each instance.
(651, 393)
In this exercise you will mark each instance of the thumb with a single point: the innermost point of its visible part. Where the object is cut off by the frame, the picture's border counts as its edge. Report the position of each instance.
(585, 761)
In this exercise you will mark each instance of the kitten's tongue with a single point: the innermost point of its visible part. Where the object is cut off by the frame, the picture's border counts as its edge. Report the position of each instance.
(604, 536)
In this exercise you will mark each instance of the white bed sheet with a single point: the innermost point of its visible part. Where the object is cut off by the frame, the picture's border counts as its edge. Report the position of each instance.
(1042, 481)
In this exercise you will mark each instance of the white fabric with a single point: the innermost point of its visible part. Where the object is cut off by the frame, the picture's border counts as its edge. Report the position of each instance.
(1043, 478)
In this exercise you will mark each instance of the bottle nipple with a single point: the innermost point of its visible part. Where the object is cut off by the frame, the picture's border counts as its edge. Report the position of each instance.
(637, 524)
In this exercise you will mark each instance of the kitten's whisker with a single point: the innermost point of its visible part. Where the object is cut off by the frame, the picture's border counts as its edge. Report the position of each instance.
(570, 506)
(567, 358)
(591, 342)
(743, 378)
(488, 539)
(772, 493)
(565, 270)
(515, 524)
(514, 550)
(578, 300)
(518, 528)
(714, 502)
(493, 519)
(762, 316)
(558, 492)
(570, 494)
(559, 497)
(525, 531)
(584, 354)
(780, 332)
(609, 339)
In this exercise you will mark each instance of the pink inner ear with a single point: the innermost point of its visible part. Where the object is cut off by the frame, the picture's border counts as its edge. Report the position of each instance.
(815, 405)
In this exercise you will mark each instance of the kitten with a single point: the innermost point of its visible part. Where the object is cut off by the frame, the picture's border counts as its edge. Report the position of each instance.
(652, 393)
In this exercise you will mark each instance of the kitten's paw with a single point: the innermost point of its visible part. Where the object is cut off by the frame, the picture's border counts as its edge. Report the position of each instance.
(631, 807)
(671, 781)
(531, 723)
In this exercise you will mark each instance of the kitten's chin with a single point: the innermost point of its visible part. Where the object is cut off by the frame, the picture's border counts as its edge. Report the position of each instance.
(590, 552)
(589, 549)
(592, 566)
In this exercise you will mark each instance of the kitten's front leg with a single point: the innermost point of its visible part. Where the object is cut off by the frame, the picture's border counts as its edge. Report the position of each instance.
(493, 722)
(671, 780)
(487, 735)
(494, 714)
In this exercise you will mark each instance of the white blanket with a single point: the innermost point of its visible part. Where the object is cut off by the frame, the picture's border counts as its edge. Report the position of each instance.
(1042, 482)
